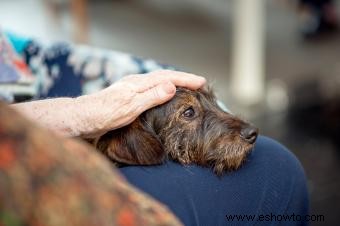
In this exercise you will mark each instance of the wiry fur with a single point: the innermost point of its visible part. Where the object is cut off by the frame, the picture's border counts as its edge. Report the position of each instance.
(211, 138)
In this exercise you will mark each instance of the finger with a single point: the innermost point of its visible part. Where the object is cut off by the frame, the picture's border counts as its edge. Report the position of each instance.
(155, 96)
(182, 79)
(178, 78)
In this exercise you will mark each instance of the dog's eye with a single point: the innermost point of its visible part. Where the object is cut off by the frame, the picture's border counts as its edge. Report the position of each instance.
(189, 113)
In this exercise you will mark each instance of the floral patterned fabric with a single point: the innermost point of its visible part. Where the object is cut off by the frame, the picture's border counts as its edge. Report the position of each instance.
(67, 70)
(47, 180)
(64, 69)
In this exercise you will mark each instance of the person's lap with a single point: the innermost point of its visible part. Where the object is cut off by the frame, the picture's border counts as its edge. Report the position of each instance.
(271, 183)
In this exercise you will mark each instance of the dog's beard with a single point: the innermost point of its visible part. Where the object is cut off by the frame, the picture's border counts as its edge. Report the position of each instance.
(222, 153)
(228, 156)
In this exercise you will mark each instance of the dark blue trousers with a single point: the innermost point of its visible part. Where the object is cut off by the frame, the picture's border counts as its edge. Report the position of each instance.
(270, 189)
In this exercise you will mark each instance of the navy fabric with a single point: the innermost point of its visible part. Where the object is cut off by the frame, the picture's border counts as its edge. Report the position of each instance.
(271, 183)
(68, 82)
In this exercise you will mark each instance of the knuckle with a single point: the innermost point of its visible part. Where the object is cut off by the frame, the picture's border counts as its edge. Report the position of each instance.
(155, 93)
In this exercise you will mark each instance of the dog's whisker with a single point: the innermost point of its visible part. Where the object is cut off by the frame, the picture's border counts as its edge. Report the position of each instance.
(148, 124)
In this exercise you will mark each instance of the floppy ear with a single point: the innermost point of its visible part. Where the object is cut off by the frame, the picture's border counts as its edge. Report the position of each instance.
(134, 144)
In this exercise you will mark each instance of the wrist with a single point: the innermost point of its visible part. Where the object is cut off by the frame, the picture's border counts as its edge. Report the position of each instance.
(83, 117)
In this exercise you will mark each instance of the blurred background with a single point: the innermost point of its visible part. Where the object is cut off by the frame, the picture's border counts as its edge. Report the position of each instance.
(273, 62)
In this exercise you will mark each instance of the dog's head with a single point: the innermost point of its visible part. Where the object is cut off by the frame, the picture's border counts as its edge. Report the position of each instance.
(191, 128)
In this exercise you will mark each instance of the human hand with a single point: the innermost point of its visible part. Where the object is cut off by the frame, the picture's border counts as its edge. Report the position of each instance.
(121, 103)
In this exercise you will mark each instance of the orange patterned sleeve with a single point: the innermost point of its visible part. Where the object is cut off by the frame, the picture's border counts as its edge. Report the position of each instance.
(48, 180)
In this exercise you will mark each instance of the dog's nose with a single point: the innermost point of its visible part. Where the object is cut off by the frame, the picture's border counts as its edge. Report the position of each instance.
(249, 134)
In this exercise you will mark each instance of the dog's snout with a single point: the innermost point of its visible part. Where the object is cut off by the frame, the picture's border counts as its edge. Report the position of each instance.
(249, 134)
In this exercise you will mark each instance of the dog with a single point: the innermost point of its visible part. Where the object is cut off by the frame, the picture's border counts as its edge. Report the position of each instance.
(191, 129)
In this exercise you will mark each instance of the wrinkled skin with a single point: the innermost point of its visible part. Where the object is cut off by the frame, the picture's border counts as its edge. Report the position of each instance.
(191, 128)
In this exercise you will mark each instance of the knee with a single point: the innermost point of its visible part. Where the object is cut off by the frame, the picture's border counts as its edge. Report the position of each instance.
(276, 158)
(283, 174)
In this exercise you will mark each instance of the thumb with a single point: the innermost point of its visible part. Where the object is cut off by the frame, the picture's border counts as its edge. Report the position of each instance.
(157, 95)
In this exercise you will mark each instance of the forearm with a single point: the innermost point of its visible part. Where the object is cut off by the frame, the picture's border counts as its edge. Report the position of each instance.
(61, 115)
(111, 108)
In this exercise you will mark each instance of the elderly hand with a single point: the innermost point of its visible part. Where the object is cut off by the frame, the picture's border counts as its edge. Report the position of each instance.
(122, 102)
(111, 108)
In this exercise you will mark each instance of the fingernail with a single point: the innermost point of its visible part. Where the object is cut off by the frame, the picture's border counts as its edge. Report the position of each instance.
(203, 80)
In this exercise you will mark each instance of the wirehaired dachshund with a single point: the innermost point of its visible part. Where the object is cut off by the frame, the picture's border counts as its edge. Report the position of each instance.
(191, 129)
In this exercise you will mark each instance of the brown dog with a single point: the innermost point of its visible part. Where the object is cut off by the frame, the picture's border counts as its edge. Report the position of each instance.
(191, 128)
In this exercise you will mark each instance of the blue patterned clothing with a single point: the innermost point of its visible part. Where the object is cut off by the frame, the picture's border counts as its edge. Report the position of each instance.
(64, 69)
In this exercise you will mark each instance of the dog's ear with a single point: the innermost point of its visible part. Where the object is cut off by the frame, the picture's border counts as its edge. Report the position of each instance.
(134, 144)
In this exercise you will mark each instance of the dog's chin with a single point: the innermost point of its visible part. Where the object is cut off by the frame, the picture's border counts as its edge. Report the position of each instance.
(233, 157)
